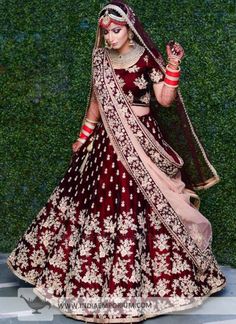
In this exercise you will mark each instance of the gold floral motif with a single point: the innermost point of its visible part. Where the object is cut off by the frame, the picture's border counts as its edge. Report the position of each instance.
(121, 81)
(146, 98)
(133, 69)
(197, 236)
(156, 75)
(131, 266)
(146, 58)
(151, 190)
(140, 82)
(130, 97)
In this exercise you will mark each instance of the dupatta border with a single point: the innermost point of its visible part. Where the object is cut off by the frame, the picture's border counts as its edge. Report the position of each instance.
(107, 98)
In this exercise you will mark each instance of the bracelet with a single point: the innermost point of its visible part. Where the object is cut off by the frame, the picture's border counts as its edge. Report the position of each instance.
(175, 58)
(173, 64)
(172, 77)
(91, 121)
(82, 140)
(173, 72)
(86, 130)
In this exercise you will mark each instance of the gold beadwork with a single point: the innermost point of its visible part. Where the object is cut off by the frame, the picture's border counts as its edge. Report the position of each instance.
(126, 60)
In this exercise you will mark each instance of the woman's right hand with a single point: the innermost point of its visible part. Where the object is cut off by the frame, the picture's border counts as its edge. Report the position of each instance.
(76, 146)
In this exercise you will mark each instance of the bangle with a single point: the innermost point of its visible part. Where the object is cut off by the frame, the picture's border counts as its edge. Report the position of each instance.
(91, 121)
(171, 84)
(86, 130)
(171, 72)
(175, 65)
(82, 140)
(175, 58)
(172, 77)
(88, 125)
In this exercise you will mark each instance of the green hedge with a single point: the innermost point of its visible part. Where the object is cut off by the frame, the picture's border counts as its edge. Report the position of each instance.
(45, 73)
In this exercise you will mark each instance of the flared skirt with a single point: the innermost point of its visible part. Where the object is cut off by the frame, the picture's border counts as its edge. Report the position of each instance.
(97, 236)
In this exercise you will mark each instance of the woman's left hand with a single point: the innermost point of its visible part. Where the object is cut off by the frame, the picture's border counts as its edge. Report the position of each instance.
(175, 52)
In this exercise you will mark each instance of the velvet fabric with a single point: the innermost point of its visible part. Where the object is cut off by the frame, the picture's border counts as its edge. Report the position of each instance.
(101, 234)
(97, 236)
(198, 172)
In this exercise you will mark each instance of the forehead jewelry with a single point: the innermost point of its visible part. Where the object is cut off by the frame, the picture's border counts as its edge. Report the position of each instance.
(108, 18)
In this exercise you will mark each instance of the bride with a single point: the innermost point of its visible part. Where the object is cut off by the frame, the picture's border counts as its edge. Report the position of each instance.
(124, 221)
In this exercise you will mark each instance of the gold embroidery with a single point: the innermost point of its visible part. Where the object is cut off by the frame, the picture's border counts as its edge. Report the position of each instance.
(130, 97)
(140, 174)
(141, 82)
(145, 98)
(120, 80)
(155, 75)
(146, 58)
(133, 69)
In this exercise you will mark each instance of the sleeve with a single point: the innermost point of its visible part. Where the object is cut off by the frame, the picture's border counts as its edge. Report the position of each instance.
(93, 110)
(154, 71)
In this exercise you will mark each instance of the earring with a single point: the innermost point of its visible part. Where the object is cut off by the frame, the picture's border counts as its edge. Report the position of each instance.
(131, 36)
(107, 45)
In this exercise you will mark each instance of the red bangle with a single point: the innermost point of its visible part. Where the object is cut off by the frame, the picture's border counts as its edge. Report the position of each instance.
(173, 74)
(87, 129)
(82, 135)
(170, 82)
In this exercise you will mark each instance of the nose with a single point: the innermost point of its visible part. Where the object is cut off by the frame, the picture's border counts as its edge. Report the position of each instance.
(110, 37)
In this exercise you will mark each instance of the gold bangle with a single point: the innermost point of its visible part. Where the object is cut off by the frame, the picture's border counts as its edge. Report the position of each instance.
(174, 58)
(88, 124)
(172, 70)
(91, 121)
(82, 140)
(173, 67)
(177, 65)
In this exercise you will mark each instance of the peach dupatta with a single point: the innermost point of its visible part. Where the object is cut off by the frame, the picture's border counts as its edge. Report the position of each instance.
(156, 173)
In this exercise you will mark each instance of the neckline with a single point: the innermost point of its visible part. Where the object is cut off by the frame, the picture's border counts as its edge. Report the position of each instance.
(126, 60)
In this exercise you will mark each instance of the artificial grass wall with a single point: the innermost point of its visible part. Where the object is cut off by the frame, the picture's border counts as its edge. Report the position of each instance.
(45, 58)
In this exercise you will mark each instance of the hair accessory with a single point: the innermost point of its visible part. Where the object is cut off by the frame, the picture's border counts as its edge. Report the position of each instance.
(108, 18)
(203, 175)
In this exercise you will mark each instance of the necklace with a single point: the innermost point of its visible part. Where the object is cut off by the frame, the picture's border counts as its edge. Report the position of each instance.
(123, 61)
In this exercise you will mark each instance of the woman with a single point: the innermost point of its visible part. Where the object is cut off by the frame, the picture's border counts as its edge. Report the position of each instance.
(124, 222)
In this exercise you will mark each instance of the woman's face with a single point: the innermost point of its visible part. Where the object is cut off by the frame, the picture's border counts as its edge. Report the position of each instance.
(117, 36)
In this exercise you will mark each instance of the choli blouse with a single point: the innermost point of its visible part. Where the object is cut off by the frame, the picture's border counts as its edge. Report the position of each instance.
(137, 80)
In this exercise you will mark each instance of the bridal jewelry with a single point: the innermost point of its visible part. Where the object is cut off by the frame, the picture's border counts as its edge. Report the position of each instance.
(108, 18)
(131, 36)
(123, 61)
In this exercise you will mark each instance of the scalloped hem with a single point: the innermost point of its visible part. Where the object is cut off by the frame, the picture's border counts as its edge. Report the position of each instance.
(130, 319)
(87, 319)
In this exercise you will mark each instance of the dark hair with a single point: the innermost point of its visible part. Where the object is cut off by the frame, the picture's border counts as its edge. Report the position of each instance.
(121, 5)
(110, 11)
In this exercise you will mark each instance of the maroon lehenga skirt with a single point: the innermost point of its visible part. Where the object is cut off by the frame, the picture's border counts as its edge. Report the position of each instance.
(98, 236)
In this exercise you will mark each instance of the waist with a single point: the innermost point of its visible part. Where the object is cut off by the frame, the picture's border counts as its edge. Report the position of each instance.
(140, 110)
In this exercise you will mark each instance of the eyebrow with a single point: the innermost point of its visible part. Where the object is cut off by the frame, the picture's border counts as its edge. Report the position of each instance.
(111, 29)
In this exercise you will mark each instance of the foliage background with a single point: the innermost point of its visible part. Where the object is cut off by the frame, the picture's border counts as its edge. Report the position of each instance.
(45, 59)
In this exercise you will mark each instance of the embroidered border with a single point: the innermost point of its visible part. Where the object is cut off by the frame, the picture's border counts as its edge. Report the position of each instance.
(108, 102)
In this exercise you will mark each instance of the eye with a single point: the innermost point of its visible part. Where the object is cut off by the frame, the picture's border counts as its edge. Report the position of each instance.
(105, 32)
(116, 31)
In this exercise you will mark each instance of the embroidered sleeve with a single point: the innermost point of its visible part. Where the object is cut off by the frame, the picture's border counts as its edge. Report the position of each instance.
(154, 72)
